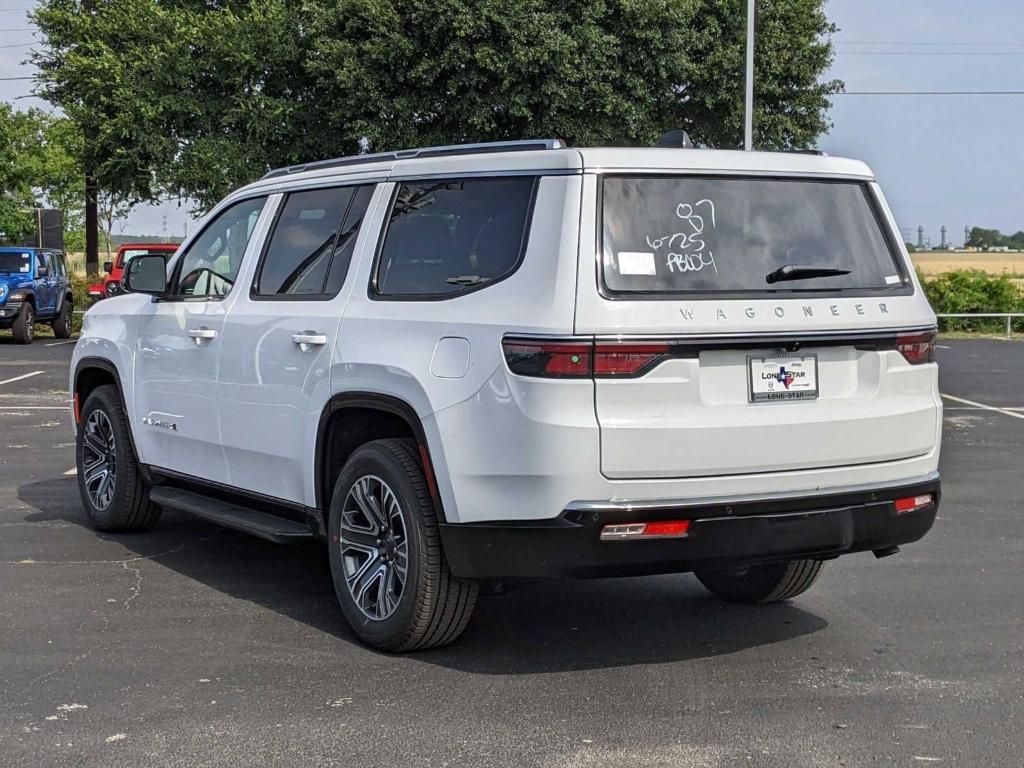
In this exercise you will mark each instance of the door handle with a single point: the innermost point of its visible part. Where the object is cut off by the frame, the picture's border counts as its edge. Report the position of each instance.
(309, 339)
(202, 334)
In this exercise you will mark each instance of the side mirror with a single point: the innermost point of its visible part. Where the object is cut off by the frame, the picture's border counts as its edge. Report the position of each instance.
(108, 267)
(146, 274)
(43, 272)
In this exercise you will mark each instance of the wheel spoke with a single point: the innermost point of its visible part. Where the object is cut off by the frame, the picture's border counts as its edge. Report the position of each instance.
(95, 443)
(374, 547)
(351, 534)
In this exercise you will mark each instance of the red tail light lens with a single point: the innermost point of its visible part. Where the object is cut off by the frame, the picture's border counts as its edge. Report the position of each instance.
(613, 359)
(917, 348)
(912, 503)
(550, 359)
(581, 359)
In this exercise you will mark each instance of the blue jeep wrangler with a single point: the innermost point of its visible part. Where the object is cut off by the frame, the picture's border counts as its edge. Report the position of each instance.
(34, 288)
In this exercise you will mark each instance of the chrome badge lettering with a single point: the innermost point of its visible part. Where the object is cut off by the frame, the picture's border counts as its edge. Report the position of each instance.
(159, 424)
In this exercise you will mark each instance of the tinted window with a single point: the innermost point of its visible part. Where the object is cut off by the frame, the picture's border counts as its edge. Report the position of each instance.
(15, 262)
(299, 252)
(58, 265)
(346, 242)
(210, 265)
(446, 237)
(678, 235)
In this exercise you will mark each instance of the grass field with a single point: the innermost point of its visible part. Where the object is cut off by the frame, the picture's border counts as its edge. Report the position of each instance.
(936, 262)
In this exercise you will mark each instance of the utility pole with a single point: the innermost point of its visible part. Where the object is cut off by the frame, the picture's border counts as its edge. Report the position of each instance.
(748, 118)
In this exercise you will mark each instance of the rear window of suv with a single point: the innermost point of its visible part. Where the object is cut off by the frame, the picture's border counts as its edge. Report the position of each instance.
(700, 235)
(449, 237)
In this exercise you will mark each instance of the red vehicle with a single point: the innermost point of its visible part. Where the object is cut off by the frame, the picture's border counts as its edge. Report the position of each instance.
(111, 285)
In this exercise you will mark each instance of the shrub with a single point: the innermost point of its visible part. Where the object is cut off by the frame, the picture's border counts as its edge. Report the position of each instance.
(971, 290)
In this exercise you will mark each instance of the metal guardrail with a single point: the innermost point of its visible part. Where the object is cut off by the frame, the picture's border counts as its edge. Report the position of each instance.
(1008, 315)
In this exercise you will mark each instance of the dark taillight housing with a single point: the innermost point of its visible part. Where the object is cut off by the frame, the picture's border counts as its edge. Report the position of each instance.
(917, 348)
(582, 359)
(549, 359)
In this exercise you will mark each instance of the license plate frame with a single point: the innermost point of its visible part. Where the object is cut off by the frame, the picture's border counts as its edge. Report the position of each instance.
(773, 389)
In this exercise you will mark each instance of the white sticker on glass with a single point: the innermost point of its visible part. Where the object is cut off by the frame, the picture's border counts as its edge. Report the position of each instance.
(892, 279)
(636, 263)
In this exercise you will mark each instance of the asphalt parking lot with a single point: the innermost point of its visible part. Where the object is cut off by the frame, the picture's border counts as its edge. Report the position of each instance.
(194, 645)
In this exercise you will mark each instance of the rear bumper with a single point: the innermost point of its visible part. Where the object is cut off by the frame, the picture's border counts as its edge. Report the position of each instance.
(818, 526)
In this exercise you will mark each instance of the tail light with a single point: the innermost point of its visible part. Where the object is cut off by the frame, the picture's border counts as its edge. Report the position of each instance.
(549, 359)
(917, 348)
(912, 503)
(665, 529)
(580, 360)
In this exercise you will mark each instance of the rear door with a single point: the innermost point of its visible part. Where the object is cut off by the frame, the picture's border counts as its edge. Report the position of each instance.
(759, 323)
(280, 336)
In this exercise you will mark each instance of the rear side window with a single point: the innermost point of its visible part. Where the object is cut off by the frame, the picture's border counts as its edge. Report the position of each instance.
(447, 237)
(693, 235)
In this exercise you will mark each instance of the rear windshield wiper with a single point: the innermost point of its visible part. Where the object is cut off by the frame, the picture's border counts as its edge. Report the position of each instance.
(802, 272)
(467, 280)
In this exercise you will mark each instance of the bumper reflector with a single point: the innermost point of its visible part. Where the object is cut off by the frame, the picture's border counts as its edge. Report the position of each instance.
(665, 529)
(912, 503)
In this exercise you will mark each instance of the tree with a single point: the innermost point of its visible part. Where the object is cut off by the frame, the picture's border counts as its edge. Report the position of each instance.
(38, 166)
(397, 73)
(192, 98)
(16, 196)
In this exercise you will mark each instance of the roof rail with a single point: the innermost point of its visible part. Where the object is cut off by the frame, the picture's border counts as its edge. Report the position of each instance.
(524, 145)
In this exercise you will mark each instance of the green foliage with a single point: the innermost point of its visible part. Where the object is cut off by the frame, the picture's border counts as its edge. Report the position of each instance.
(194, 98)
(993, 238)
(16, 194)
(38, 167)
(971, 290)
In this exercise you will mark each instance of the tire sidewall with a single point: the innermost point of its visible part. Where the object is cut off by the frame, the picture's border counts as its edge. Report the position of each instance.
(372, 460)
(62, 324)
(102, 399)
(27, 320)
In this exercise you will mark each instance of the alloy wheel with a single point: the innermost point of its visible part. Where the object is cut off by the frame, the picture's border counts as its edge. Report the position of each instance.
(374, 547)
(99, 459)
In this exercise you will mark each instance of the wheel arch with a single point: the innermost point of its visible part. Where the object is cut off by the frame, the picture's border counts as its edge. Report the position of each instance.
(373, 416)
(93, 372)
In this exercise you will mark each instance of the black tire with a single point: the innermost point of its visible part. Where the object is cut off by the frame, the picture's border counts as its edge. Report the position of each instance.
(62, 322)
(128, 507)
(24, 326)
(768, 583)
(433, 607)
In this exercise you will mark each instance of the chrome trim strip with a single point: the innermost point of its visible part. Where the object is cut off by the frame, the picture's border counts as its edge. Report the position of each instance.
(631, 505)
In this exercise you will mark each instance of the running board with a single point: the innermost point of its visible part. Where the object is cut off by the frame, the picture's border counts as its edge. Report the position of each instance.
(270, 527)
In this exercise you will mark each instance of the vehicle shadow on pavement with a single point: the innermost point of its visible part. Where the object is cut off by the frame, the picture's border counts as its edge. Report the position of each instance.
(545, 627)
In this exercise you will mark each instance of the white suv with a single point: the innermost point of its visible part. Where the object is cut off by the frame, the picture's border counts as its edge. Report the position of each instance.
(474, 365)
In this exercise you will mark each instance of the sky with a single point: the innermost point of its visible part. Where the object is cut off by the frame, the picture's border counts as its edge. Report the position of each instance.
(942, 160)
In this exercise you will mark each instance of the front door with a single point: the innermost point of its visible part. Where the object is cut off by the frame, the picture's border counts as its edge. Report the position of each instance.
(279, 341)
(179, 343)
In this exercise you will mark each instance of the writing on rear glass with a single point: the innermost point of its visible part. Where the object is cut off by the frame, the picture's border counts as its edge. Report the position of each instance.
(687, 250)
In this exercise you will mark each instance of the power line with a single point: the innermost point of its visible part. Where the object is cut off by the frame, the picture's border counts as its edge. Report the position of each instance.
(929, 93)
(19, 45)
(930, 53)
(15, 29)
(31, 77)
(918, 43)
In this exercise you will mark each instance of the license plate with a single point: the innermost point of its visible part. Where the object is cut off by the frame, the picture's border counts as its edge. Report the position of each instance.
(782, 377)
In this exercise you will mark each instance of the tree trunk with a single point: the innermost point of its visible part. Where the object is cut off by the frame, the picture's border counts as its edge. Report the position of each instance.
(92, 238)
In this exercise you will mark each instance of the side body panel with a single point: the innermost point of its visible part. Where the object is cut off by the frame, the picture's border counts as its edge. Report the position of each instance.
(389, 347)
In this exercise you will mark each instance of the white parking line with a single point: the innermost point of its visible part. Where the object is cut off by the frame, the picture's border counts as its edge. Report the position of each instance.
(34, 407)
(20, 378)
(58, 343)
(72, 471)
(982, 406)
